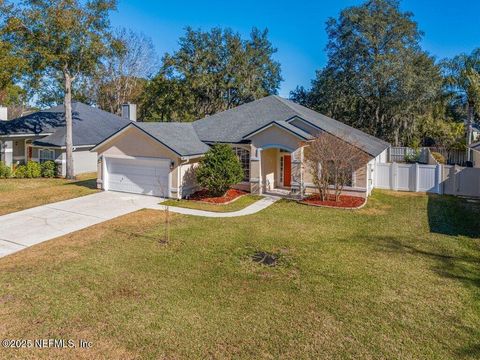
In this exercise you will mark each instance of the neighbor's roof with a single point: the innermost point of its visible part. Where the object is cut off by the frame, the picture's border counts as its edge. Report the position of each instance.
(90, 125)
(234, 124)
(476, 146)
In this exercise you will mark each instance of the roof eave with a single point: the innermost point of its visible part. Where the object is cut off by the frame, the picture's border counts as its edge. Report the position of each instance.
(274, 123)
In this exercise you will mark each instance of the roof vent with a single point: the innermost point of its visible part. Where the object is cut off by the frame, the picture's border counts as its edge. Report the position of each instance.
(129, 111)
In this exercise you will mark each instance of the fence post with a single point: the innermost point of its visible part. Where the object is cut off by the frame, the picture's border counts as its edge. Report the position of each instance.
(393, 175)
(439, 178)
(417, 177)
(453, 174)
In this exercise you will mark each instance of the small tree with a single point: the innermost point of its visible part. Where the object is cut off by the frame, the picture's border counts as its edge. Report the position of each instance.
(331, 161)
(219, 169)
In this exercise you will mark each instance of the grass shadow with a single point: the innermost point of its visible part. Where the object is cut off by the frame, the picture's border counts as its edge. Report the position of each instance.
(453, 216)
(89, 183)
(462, 267)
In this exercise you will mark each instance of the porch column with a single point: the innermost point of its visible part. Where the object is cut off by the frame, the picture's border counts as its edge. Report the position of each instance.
(297, 172)
(6, 152)
(255, 170)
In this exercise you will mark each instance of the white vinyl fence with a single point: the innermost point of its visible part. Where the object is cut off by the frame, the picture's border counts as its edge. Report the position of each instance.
(438, 179)
(409, 177)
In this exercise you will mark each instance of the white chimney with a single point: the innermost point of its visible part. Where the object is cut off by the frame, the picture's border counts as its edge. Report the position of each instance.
(3, 113)
(129, 112)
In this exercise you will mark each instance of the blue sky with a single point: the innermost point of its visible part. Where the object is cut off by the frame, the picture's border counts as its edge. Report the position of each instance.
(297, 29)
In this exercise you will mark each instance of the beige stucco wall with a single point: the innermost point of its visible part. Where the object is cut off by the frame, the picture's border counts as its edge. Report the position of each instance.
(188, 179)
(275, 136)
(134, 143)
(269, 168)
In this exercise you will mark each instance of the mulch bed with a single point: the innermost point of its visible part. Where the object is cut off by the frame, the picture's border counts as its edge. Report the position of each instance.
(204, 196)
(345, 201)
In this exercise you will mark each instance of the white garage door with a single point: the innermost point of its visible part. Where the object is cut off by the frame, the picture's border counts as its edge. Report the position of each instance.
(139, 176)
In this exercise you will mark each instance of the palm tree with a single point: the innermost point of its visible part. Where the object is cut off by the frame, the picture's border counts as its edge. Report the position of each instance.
(463, 81)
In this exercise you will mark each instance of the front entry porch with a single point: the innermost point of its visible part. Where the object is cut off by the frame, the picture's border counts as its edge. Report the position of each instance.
(279, 171)
(15, 151)
(276, 169)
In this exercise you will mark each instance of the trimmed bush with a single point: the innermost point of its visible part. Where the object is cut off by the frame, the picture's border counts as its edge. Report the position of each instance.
(5, 171)
(34, 170)
(20, 172)
(412, 158)
(49, 169)
(439, 157)
(219, 169)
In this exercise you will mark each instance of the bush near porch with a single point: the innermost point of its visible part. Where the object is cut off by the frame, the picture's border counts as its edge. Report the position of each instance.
(219, 169)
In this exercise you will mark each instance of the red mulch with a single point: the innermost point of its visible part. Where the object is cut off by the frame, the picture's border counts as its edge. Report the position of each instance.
(345, 201)
(203, 195)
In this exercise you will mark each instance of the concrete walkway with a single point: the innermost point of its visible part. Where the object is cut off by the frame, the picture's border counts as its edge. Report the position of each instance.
(249, 210)
(25, 228)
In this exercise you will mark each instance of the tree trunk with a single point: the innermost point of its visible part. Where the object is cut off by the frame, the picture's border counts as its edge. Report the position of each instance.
(69, 125)
(470, 109)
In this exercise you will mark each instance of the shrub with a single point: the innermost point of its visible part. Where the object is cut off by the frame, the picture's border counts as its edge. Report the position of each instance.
(20, 172)
(219, 169)
(5, 171)
(49, 169)
(439, 157)
(34, 170)
(412, 158)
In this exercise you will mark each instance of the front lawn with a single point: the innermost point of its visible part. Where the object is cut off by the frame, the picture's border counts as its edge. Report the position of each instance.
(398, 279)
(20, 194)
(236, 205)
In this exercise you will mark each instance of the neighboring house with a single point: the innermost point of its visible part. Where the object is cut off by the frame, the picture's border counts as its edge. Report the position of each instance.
(40, 136)
(268, 135)
(476, 132)
(476, 154)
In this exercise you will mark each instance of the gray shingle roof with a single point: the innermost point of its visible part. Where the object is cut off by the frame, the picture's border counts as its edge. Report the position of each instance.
(90, 125)
(179, 137)
(286, 125)
(475, 146)
(232, 125)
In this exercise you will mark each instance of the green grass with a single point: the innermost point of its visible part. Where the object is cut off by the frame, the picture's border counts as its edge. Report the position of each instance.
(398, 279)
(20, 194)
(238, 204)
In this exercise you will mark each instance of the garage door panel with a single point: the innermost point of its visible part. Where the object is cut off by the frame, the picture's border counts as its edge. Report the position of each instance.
(139, 176)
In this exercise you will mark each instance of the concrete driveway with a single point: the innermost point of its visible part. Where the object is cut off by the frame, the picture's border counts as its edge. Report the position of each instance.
(29, 227)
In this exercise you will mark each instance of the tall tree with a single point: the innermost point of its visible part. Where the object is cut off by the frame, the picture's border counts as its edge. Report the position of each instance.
(462, 74)
(63, 39)
(125, 72)
(11, 64)
(217, 70)
(377, 77)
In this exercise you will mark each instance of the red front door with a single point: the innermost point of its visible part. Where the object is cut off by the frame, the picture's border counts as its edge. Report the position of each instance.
(287, 170)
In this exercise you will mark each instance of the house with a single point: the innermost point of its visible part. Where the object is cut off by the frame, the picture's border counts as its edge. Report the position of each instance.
(476, 154)
(40, 136)
(476, 132)
(268, 135)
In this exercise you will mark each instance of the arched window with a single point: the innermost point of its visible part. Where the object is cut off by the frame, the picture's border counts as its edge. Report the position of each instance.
(244, 157)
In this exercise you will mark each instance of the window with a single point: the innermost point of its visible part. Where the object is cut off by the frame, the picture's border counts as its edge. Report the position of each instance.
(346, 174)
(46, 155)
(244, 158)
